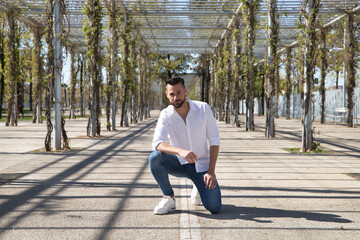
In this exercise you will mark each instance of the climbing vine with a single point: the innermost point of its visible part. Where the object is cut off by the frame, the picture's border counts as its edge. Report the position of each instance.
(2, 63)
(288, 80)
(127, 68)
(220, 74)
(93, 32)
(112, 61)
(12, 66)
(37, 74)
(228, 74)
(142, 86)
(323, 70)
(134, 83)
(351, 49)
(50, 78)
(238, 69)
(309, 31)
(272, 67)
(73, 79)
(249, 9)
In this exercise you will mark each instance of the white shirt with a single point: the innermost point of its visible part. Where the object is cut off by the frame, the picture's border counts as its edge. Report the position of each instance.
(194, 135)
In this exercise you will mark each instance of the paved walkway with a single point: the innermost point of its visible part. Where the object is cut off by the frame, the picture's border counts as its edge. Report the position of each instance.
(106, 191)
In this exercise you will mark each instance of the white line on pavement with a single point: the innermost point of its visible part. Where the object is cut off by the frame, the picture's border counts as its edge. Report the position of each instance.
(189, 222)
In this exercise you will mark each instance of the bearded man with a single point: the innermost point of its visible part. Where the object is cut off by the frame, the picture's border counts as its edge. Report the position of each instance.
(191, 152)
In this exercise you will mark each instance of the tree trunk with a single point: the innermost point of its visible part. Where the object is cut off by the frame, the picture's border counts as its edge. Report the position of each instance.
(98, 103)
(49, 72)
(228, 78)
(277, 89)
(238, 71)
(259, 80)
(142, 87)
(37, 75)
(202, 90)
(82, 85)
(215, 83)
(113, 13)
(312, 9)
(272, 67)
(337, 79)
(73, 74)
(135, 82)
(93, 11)
(147, 84)
(324, 66)
(12, 68)
(288, 82)
(221, 80)
(108, 98)
(127, 74)
(207, 79)
(263, 95)
(250, 37)
(2, 62)
(350, 66)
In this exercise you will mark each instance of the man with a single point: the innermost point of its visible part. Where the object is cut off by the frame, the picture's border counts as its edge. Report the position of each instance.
(189, 125)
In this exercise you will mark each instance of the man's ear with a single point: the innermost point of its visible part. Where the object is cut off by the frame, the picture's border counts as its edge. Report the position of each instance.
(186, 91)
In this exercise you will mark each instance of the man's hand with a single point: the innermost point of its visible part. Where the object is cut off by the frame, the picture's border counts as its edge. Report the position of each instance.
(210, 180)
(189, 156)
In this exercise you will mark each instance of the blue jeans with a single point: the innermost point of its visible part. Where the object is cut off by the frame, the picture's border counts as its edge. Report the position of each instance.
(162, 164)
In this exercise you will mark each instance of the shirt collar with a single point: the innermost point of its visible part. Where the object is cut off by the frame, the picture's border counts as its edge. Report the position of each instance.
(191, 106)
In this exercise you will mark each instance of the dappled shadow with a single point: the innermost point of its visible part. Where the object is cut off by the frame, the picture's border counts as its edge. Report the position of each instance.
(89, 163)
(264, 215)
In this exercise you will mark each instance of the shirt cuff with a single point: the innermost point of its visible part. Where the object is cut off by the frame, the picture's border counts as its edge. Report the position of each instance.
(156, 144)
(214, 141)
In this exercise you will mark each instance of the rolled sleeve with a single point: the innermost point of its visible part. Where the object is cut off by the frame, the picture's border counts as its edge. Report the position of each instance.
(161, 132)
(214, 141)
(211, 128)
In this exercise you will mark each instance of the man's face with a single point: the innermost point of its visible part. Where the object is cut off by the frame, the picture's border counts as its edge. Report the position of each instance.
(176, 94)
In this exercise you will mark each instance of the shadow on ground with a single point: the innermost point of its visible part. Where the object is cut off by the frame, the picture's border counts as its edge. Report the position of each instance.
(231, 212)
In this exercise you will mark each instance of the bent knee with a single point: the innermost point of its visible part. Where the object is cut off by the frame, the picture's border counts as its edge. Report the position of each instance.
(155, 157)
(215, 209)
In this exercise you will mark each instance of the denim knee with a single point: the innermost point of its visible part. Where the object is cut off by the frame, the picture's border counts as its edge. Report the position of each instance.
(155, 158)
(214, 208)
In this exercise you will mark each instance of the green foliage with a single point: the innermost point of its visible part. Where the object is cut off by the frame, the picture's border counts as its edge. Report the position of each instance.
(316, 149)
(93, 32)
(12, 65)
(169, 65)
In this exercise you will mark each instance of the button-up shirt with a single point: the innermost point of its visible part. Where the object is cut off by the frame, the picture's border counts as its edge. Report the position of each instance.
(195, 134)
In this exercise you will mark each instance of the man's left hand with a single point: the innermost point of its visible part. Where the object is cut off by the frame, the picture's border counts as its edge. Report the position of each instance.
(210, 180)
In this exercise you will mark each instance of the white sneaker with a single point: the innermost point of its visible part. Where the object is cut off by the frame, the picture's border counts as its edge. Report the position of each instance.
(195, 196)
(166, 205)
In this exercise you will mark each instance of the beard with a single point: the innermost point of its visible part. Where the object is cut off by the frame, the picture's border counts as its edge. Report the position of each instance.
(178, 103)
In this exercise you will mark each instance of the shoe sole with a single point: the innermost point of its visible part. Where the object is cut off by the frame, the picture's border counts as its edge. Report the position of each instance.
(171, 210)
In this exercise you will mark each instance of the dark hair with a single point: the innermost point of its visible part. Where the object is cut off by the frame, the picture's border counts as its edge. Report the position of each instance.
(175, 80)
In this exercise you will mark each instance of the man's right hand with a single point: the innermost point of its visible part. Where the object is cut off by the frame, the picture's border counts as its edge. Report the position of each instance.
(189, 156)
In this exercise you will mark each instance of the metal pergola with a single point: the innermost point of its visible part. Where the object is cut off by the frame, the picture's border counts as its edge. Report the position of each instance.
(177, 26)
(185, 26)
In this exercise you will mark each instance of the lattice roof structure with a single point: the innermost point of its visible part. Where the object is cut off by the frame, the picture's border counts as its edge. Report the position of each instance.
(187, 26)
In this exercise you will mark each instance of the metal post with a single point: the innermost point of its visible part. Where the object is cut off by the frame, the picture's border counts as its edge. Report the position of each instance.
(57, 73)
